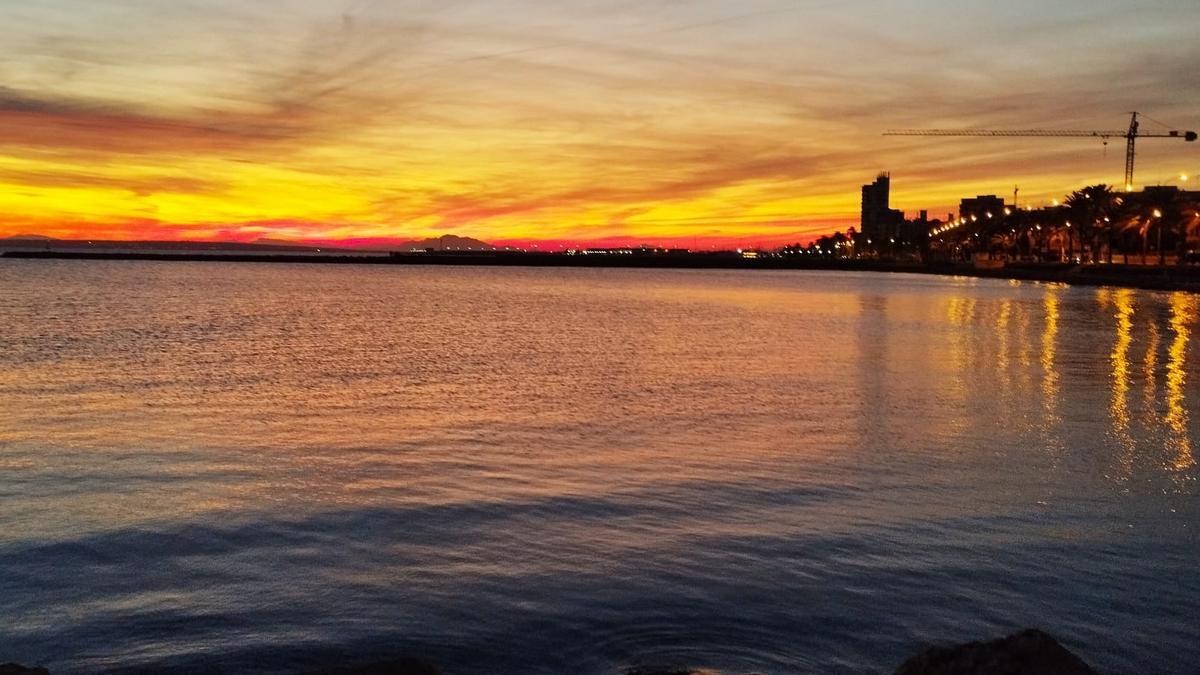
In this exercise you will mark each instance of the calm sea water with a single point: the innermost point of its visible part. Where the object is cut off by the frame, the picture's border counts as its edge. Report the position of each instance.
(214, 467)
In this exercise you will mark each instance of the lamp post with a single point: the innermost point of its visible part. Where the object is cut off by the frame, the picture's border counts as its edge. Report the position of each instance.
(1162, 257)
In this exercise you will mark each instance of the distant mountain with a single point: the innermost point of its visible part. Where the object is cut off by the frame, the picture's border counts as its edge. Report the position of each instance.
(447, 242)
(267, 241)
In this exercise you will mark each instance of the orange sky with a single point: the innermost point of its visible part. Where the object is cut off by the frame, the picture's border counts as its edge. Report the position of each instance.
(694, 123)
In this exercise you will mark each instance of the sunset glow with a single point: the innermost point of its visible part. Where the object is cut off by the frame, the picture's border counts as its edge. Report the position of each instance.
(698, 123)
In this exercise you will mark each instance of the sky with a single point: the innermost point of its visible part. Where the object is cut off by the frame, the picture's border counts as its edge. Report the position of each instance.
(699, 123)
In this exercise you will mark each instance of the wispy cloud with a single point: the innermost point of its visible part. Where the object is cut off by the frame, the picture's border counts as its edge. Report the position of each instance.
(511, 119)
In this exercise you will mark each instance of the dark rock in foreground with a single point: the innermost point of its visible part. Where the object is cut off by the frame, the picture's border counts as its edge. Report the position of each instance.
(14, 669)
(1030, 652)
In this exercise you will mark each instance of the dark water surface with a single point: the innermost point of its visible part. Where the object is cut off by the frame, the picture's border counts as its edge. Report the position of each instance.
(221, 467)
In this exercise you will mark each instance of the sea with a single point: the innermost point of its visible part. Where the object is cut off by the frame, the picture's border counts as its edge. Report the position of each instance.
(275, 468)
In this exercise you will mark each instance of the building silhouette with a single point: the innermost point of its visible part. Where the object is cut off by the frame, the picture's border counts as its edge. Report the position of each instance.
(980, 206)
(879, 220)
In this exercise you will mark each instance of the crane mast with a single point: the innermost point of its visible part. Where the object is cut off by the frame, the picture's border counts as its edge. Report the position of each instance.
(1130, 137)
(1131, 151)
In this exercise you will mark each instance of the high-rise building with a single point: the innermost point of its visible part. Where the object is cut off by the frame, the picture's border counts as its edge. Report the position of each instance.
(879, 220)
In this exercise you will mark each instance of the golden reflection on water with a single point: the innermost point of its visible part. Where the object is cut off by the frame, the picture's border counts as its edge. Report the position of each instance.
(1050, 377)
(1150, 373)
(1119, 407)
(1025, 351)
(1002, 322)
(1183, 314)
(960, 315)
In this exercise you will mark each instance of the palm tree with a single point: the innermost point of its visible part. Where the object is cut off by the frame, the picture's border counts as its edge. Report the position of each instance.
(1135, 223)
(1092, 208)
(1120, 214)
(1057, 224)
(1123, 222)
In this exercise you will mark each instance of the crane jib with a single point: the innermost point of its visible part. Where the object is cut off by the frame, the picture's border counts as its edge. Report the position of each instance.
(1131, 135)
(1189, 136)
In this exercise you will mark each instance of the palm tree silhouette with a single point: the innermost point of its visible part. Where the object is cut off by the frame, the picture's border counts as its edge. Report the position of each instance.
(1092, 209)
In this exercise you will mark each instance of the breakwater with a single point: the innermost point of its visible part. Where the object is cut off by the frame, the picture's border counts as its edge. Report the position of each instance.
(1149, 277)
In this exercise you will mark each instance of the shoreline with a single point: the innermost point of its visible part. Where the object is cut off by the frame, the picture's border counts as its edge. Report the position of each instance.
(1146, 277)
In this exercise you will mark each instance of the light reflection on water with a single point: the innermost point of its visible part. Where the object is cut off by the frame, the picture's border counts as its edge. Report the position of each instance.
(1183, 318)
(575, 470)
(1123, 300)
(1050, 378)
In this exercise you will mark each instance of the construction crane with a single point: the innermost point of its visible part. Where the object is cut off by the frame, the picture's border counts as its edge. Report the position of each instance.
(1130, 137)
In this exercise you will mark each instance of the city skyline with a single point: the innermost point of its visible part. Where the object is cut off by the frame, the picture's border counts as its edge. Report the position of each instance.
(590, 122)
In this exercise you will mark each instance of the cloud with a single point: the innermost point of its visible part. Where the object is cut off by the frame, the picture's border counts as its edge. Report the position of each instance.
(581, 118)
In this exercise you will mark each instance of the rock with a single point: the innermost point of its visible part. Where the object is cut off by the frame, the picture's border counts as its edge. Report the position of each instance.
(1029, 652)
(405, 666)
(14, 669)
